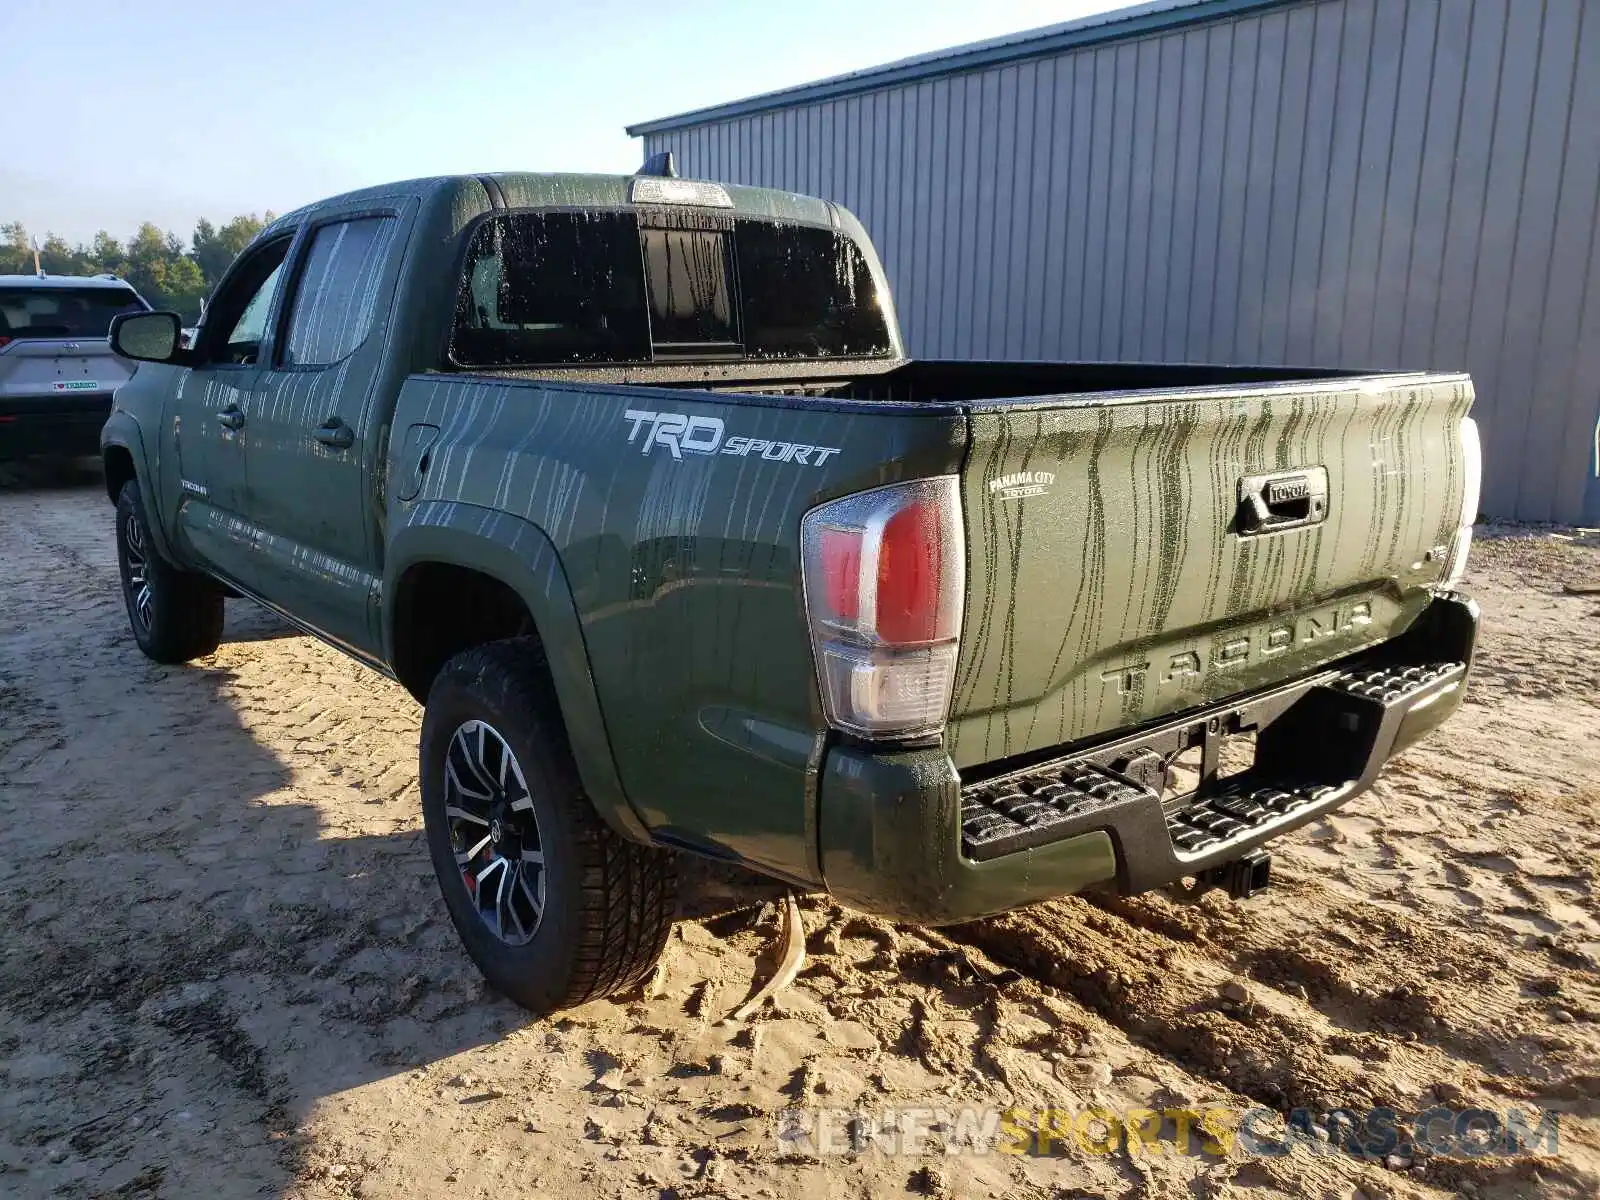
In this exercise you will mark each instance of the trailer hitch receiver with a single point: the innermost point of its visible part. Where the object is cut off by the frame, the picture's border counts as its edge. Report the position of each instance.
(1243, 877)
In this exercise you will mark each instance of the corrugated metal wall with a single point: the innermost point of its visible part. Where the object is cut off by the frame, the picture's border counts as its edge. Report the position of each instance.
(1408, 183)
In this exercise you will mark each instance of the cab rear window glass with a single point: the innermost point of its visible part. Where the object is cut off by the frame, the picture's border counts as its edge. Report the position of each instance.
(552, 288)
(63, 312)
(564, 288)
(811, 293)
(691, 291)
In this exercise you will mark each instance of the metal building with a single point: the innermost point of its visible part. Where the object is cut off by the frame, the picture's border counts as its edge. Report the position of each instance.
(1385, 183)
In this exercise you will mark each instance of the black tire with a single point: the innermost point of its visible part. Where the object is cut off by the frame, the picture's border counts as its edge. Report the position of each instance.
(607, 903)
(176, 615)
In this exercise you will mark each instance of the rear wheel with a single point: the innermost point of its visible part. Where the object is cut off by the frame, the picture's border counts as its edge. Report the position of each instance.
(552, 905)
(176, 615)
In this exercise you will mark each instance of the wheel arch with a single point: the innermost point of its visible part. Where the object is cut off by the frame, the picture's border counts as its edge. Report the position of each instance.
(457, 562)
(123, 457)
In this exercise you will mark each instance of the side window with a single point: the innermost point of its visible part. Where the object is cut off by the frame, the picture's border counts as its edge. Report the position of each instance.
(236, 318)
(244, 342)
(337, 297)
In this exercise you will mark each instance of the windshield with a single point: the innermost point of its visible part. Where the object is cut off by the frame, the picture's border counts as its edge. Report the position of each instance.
(39, 312)
(562, 288)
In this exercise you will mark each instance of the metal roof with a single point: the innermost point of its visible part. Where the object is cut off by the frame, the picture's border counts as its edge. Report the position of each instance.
(63, 281)
(1138, 21)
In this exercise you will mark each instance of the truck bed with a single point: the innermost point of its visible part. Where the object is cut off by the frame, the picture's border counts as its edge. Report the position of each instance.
(1113, 574)
(1110, 580)
(930, 380)
(965, 381)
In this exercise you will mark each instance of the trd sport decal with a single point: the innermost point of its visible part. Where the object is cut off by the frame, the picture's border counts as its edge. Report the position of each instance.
(682, 434)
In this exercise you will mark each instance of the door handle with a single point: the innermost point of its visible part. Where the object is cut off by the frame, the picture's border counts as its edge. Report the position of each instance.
(231, 417)
(335, 433)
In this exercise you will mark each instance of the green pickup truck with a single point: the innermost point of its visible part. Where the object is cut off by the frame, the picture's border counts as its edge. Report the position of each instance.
(630, 481)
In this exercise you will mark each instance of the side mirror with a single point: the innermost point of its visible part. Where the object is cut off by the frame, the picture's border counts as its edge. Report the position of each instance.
(147, 336)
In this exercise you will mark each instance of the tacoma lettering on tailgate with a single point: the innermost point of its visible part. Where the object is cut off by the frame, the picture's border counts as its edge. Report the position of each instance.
(1245, 647)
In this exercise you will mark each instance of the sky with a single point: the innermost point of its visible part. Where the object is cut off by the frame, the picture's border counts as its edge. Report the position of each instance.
(172, 110)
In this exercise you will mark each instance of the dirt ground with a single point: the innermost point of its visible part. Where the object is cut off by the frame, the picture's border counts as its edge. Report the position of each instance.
(226, 970)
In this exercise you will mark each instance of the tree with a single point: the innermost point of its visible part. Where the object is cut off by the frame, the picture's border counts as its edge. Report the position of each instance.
(147, 261)
(58, 258)
(154, 260)
(183, 287)
(106, 253)
(163, 273)
(16, 252)
(202, 247)
(215, 249)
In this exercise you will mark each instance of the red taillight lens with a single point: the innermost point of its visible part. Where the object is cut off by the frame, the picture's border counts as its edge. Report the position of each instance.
(841, 572)
(4, 341)
(909, 569)
(884, 572)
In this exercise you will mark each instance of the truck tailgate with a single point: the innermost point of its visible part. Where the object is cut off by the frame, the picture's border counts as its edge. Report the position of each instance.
(1136, 554)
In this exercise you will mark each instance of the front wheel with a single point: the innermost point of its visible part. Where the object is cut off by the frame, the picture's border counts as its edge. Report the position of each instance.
(553, 906)
(175, 614)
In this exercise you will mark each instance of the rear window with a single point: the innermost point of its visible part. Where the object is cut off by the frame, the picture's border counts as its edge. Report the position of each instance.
(812, 293)
(566, 288)
(65, 312)
(556, 288)
(690, 279)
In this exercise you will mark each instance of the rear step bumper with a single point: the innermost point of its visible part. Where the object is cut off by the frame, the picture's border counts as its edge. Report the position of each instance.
(1319, 742)
(1093, 816)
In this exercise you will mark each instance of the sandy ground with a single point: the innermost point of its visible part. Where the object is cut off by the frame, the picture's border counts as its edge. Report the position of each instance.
(226, 969)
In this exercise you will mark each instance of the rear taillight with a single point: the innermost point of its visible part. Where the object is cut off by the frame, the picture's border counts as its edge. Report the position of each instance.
(883, 573)
(4, 341)
(1472, 468)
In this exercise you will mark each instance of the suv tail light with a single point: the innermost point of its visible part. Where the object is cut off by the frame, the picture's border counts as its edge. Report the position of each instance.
(1472, 465)
(884, 573)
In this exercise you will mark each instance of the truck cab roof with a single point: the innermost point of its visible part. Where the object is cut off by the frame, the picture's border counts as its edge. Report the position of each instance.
(528, 189)
(449, 244)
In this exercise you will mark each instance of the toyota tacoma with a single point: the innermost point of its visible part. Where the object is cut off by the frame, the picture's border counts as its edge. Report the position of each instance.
(631, 482)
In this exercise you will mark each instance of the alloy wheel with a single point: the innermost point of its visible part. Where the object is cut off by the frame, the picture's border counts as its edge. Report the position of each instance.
(494, 832)
(137, 578)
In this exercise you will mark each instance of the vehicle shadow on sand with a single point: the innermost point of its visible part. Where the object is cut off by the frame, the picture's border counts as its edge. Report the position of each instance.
(206, 933)
(50, 474)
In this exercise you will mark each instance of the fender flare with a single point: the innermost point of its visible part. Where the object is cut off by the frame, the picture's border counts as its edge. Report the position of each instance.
(520, 555)
(121, 431)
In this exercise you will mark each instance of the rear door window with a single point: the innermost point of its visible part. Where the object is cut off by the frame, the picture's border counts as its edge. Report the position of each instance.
(337, 296)
(564, 288)
(64, 312)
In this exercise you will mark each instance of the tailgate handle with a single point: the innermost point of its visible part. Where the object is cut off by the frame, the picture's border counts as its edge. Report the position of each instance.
(1284, 500)
(231, 417)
